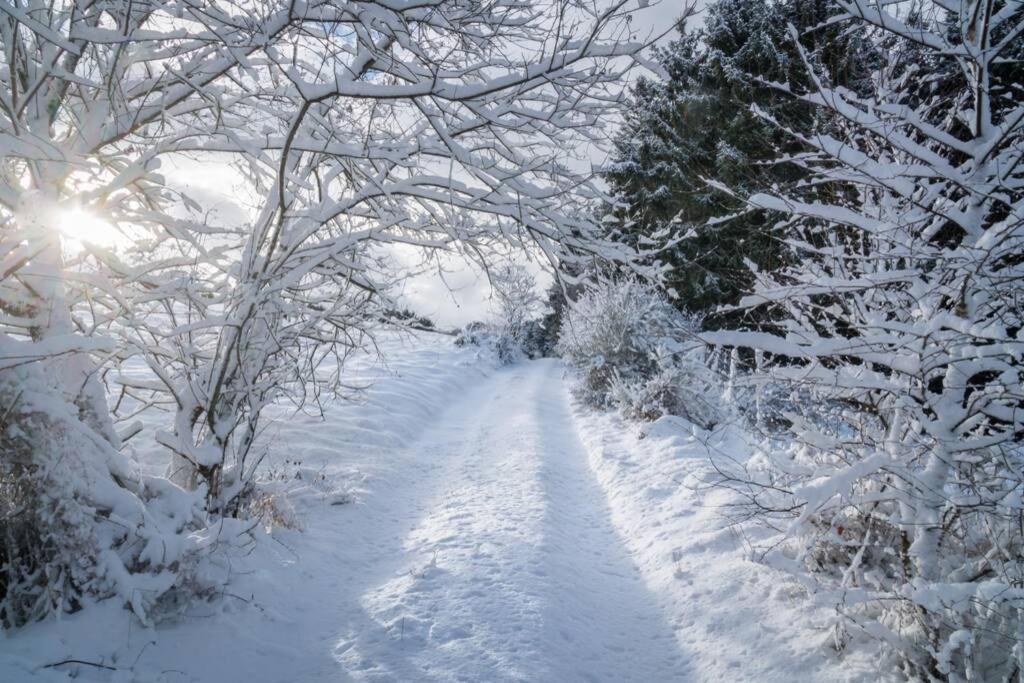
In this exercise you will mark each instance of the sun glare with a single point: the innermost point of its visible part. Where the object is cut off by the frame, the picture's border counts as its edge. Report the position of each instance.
(79, 226)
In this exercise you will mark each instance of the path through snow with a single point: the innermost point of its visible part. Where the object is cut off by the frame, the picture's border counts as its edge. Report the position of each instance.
(498, 560)
(493, 544)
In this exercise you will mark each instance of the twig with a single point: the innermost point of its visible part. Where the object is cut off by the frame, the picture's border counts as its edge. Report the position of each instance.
(79, 661)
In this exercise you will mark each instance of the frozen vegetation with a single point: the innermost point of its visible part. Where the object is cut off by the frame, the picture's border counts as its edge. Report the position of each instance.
(767, 423)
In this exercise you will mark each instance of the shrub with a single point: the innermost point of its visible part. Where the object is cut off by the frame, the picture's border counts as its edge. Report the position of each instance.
(77, 522)
(635, 352)
(682, 385)
(515, 292)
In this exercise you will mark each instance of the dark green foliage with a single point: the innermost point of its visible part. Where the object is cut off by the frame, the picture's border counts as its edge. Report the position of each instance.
(698, 125)
(407, 318)
(543, 333)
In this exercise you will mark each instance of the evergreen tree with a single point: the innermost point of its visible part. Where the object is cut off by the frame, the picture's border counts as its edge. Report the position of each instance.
(700, 124)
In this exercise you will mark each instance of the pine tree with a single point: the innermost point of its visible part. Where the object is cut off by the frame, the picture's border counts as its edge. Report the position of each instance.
(699, 125)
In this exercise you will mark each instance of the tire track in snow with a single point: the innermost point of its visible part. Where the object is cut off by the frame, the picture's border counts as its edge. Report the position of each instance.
(600, 607)
(513, 570)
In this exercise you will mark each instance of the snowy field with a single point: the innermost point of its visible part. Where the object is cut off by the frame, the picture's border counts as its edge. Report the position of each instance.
(461, 521)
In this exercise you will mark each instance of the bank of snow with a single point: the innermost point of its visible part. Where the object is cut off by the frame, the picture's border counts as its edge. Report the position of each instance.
(284, 593)
(738, 619)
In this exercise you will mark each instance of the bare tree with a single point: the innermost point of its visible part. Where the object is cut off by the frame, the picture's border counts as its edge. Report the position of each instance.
(902, 320)
(515, 292)
(360, 127)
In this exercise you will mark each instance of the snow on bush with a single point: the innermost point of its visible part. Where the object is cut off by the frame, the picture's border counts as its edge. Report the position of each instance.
(637, 353)
(481, 335)
(670, 390)
(77, 521)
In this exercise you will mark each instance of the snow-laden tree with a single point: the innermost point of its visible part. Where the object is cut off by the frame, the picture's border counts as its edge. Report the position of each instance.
(903, 321)
(361, 128)
(423, 132)
(697, 124)
(514, 291)
(77, 518)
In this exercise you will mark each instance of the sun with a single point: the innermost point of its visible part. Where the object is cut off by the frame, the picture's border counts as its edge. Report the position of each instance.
(79, 226)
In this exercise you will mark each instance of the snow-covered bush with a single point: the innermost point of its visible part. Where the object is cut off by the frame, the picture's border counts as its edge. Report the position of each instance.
(615, 329)
(681, 385)
(902, 321)
(476, 333)
(484, 337)
(77, 521)
(636, 352)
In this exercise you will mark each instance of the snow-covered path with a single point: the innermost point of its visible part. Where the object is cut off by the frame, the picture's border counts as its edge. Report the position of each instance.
(497, 532)
(494, 558)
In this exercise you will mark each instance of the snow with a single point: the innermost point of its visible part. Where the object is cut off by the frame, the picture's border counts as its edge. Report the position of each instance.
(496, 531)
(507, 564)
(733, 618)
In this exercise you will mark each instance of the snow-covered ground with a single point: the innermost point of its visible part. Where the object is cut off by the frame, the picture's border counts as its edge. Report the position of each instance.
(492, 531)
(735, 619)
